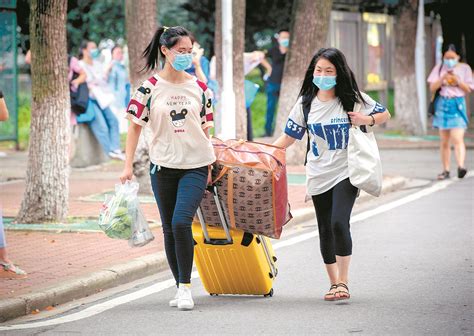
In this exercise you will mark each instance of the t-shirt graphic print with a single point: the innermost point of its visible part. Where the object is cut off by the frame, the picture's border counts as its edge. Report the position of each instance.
(176, 115)
(328, 126)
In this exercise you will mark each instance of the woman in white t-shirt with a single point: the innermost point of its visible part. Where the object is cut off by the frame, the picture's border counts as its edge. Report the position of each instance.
(177, 109)
(329, 92)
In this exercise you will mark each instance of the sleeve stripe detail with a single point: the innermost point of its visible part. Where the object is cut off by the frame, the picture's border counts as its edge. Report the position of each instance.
(202, 85)
(294, 130)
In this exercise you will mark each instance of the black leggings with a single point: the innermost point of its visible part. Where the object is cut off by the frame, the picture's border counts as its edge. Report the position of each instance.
(333, 212)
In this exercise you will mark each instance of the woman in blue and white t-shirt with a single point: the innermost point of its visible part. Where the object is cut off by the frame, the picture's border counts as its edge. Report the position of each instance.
(329, 91)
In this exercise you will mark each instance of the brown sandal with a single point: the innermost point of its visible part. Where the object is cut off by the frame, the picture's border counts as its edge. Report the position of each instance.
(331, 296)
(343, 294)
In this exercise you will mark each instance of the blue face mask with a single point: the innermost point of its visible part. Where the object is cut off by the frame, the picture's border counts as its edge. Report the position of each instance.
(284, 43)
(182, 62)
(324, 82)
(94, 53)
(450, 63)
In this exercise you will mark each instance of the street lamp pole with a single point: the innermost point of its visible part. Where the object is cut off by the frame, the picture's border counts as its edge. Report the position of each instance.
(228, 94)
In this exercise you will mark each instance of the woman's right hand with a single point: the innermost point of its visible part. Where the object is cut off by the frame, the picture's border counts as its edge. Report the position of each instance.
(126, 175)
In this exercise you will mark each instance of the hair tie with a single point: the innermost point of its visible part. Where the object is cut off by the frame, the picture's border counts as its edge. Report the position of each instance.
(165, 28)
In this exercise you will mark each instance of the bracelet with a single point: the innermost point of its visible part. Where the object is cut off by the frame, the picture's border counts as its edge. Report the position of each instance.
(1, 94)
(373, 120)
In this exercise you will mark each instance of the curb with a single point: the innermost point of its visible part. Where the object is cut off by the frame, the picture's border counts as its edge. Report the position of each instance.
(83, 286)
(123, 273)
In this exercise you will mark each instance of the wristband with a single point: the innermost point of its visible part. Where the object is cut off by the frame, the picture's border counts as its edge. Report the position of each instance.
(1, 94)
(373, 120)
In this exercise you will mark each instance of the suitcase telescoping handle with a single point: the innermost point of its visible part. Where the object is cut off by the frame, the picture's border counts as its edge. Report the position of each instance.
(225, 226)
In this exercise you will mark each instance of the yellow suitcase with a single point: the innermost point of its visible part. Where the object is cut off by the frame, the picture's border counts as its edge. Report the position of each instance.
(231, 261)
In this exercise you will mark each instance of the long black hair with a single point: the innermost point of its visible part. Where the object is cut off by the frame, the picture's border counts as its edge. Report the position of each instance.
(83, 46)
(451, 47)
(164, 36)
(346, 88)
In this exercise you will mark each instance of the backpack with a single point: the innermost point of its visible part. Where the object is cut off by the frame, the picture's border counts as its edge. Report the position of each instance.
(306, 110)
(80, 98)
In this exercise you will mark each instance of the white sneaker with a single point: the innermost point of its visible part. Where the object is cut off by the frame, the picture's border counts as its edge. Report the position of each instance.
(117, 154)
(174, 302)
(185, 299)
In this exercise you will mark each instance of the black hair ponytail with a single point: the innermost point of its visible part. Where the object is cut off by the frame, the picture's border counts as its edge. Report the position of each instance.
(164, 36)
(347, 89)
(81, 48)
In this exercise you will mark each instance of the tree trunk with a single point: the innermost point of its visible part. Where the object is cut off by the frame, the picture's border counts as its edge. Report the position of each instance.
(406, 97)
(141, 24)
(309, 29)
(238, 41)
(47, 175)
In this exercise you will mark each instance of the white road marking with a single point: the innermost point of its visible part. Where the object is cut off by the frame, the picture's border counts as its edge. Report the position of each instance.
(161, 286)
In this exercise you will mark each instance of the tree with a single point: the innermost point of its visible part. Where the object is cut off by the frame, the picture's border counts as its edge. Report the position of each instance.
(47, 176)
(238, 42)
(309, 30)
(141, 24)
(201, 22)
(260, 28)
(406, 97)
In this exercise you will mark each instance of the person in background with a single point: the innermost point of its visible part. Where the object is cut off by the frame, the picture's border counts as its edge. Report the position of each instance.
(200, 66)
(252, 60)
(119, 83)
(455, 80)
(274, 76)
(8, 270)
(105, 125)
(75, 77)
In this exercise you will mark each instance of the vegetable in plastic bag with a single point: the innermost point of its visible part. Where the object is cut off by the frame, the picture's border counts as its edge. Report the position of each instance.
(122, 218)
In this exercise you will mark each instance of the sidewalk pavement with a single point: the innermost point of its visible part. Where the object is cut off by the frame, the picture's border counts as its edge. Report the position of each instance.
(74, 260)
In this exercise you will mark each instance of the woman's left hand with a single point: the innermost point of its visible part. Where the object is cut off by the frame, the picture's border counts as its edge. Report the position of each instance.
(358, 119)
(209, 175)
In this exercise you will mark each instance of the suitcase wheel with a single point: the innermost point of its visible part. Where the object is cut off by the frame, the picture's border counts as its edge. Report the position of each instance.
(270, 293)
(213, 294)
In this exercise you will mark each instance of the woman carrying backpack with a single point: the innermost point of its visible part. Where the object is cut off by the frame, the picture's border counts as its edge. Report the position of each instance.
(177, 109)
(329, 92)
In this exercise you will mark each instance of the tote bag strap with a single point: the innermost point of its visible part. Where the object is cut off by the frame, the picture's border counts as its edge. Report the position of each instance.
(357, 107)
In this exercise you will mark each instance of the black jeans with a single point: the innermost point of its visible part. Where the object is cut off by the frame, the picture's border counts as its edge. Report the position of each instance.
(333, 212)
(178, 193)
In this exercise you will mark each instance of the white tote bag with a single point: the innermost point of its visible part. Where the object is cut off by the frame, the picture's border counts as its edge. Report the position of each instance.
(365, 167)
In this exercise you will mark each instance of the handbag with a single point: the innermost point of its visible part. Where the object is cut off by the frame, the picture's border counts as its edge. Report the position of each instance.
(431, 106)
(89, 115)
(79, 98)
(365, 167)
